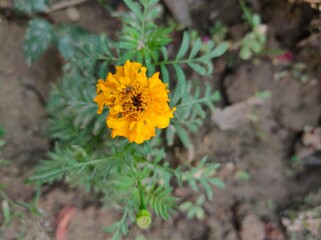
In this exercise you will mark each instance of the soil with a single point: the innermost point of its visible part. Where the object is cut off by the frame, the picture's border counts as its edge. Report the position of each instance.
(254, 140)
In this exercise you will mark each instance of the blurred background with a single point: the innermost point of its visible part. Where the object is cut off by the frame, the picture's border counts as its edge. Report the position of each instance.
(265, 131)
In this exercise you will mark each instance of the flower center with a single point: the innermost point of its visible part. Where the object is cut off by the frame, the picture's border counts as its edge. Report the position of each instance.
(134, 102)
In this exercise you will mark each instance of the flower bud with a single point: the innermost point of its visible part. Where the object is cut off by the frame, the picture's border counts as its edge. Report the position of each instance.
(143, 218)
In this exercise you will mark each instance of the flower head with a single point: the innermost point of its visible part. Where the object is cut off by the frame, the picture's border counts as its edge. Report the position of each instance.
(137, 104)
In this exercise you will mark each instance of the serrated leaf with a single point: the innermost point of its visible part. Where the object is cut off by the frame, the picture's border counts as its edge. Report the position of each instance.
(134, 6)
(219, 50)
(149, 3)
(216, 97)
(217, 182)
(6, 212)
(37, 39)
(192, 127)
(183, 136)
(200, 200)
(256, 20)
(180, 87)
(198, 68)
(65, 48)
(31, 6)
(256, 46)
(193, 184)
(208, 189)
(184, 46)
(164, 52)
(2, 131)
(245, 53)
(197, 46)
(165, 74)
(200, 111)
(170, 133)
(127, 45)
(185, 206)
(154, 12)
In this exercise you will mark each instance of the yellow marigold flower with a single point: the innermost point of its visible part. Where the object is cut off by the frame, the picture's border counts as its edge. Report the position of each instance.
(137, 104)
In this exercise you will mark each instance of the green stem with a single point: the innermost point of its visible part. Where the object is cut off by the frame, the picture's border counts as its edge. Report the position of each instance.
(143, 25)
(5, 197)
(142, 196)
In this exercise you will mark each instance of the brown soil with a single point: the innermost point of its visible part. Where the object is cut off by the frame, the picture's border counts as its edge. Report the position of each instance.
(261, 144)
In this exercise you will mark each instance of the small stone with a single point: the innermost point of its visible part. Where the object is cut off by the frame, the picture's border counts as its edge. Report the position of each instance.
(73, 14)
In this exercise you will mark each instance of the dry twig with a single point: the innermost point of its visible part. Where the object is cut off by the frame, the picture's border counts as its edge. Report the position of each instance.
(65, 4)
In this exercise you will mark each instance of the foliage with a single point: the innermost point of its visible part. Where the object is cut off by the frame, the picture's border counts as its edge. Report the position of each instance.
(218, 31)
(254, 41)
(130, 176)
(194, 210)
(2, 143)
(31, 6)
(69, 39)
(11, 210)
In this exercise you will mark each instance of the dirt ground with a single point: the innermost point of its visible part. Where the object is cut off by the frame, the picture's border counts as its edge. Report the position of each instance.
(253, 139)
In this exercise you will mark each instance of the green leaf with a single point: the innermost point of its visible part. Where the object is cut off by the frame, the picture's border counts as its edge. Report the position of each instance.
(160, 201)
(243, 175)
(2, 131)
(219, 50)
(245, 53)
(216, 97)
(192, 183)
(170, 134)
(31, 6)
(134, 6)
(185, 206)
(148, 3)
(256, 20)
(64, 46)
(165, 74)
(256, 46)
(183, 135)
(37, 39)
(70, 40)
(263, 94)
(198, 68)
(246, 12)
(200, 214)
(164, 52)
(197, 46)
(184, 46)
(217, 182)
(208, 189)
(180, 87)
(200, 200)
(6, 212)
(127, 45)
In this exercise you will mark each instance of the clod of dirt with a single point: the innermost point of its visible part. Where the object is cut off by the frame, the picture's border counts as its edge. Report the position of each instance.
(236, 115)
(252, 228)
(312, 137)
(309, 148)
(35, 230)
(180, 10)
(73, 14)
(294, 105)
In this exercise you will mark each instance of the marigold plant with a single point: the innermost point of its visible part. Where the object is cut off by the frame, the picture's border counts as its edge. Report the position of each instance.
(133, 173)
(137, 104)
